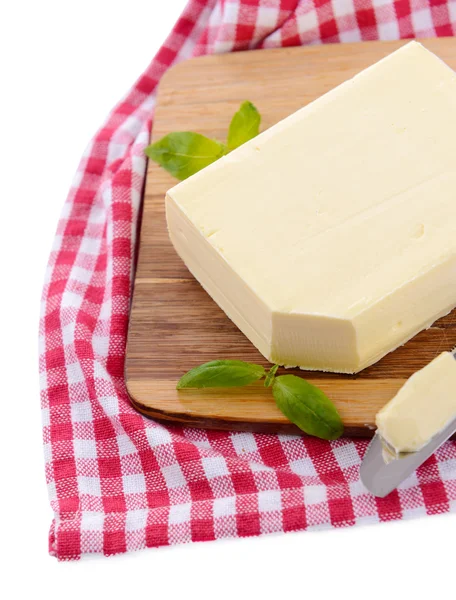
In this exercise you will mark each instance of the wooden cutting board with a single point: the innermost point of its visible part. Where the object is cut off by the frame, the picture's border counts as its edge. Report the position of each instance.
(174, 324)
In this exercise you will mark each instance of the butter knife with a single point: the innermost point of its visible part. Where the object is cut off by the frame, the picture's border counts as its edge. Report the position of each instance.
(382, 471)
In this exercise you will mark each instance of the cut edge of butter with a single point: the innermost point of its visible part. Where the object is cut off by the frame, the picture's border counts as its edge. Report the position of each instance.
(422, 408)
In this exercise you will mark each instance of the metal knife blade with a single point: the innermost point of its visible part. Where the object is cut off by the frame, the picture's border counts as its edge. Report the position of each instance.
(382, 472)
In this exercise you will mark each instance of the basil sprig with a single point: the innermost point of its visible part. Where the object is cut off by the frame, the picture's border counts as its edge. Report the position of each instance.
(307, 406)
(221, 373)
(302, 403)
(244, 126)
(184, 153)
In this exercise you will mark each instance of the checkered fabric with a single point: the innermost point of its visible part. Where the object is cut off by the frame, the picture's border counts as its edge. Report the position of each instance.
(117, 481)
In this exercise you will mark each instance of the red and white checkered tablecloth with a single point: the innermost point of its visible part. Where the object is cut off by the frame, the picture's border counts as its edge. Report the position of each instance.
(118, 481)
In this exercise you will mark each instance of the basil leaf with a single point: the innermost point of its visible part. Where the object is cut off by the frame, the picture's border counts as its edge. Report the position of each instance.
(270, 376)
(184, 153)
(307, 407)
(221, 373)
(244, 126)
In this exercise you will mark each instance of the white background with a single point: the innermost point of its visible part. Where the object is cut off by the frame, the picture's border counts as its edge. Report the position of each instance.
(64, 64)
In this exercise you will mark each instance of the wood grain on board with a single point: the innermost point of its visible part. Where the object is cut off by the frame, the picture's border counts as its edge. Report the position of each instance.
(174, 324)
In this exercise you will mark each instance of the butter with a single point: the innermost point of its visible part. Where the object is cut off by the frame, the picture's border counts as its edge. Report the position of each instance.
(422, 407)
(330, 239)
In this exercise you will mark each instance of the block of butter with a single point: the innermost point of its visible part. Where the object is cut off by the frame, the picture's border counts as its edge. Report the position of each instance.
(422, 407)
(330, 239)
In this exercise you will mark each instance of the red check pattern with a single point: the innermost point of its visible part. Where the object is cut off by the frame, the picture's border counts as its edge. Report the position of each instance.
(117, 481)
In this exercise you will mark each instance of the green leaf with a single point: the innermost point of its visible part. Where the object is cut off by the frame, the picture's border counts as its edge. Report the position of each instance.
(244, 126)
(307, 407)
(184, 153)
(221, 373)
(270, 376)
